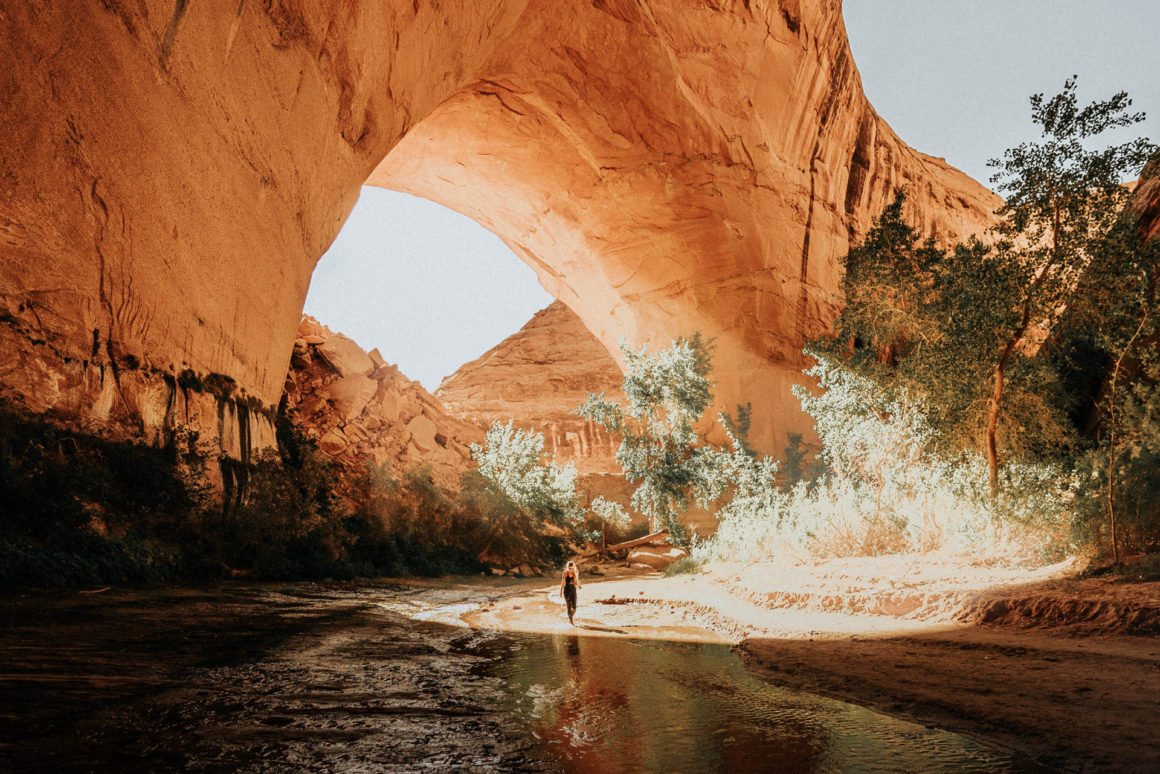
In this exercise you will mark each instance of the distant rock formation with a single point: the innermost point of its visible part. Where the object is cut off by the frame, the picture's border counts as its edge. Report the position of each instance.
(537, 377)
(362, 410)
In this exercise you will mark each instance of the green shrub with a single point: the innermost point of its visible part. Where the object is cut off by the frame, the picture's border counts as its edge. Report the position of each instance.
(685, 566)
(886, 489)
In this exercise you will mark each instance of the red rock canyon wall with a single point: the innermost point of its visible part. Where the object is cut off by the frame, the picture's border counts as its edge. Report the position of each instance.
(171, 172)
(361, 410)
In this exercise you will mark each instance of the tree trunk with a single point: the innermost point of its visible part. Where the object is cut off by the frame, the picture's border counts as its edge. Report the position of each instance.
(996, 403)
(1112, 437)
(996, 400)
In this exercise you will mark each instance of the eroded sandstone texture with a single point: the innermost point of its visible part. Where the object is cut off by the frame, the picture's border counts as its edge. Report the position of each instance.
(1146, 200)
(170, 172)
(361, 410)
(536, 378)
(669, 167)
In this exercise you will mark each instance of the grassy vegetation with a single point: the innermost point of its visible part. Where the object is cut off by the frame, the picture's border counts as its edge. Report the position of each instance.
(686, 566)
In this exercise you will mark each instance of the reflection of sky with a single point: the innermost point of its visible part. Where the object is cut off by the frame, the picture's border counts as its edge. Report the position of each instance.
(607, 704)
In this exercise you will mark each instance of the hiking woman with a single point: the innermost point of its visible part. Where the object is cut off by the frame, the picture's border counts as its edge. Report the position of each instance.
(569, 585)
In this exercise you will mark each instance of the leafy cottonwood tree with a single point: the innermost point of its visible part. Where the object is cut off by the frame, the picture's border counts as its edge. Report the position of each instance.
(1062, 198)
(611, 514)
(511, 460)
(931, 325)
(1119, 315)
(667, 393)
(961, 329)
(752, 478)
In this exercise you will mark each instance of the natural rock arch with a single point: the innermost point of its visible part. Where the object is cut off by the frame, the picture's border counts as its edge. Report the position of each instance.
(173, 171)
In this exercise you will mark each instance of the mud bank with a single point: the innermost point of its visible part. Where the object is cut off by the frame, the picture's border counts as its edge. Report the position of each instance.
(251, 678)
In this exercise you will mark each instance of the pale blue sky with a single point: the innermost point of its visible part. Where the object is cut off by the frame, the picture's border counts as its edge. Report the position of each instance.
(952, 77)
(432, 289)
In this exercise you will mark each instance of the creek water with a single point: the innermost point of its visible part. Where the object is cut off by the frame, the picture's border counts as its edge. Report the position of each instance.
(600, 704)
(382, 678)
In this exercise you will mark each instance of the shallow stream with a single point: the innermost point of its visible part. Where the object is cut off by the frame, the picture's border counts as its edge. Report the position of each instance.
(601, 704)
(346, 679)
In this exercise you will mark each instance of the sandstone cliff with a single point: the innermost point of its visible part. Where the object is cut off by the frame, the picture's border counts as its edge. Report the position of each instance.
(171, 172)
(362, 410)
(669, 167)
(1146, 200)
(537, 377)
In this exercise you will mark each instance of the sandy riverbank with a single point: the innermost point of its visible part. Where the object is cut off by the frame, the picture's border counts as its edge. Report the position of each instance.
(1065, 671)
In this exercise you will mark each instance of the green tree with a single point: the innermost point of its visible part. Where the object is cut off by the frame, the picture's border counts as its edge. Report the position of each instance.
(511, 460)
(667, 392)
(751, 479)
(1062, 198)
(961, 330)
(611, 514)
(931, 325)
(1118, 315)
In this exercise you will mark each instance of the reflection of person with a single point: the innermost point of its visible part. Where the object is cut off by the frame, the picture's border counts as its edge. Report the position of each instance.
(569, 585)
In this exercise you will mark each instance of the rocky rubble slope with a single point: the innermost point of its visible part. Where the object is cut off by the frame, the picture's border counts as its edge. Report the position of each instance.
(361, 410)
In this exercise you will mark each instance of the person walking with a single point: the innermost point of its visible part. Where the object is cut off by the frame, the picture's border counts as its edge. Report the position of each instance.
(569, 585)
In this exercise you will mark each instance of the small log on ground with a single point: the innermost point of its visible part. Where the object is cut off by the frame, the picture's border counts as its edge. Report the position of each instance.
(656, 537)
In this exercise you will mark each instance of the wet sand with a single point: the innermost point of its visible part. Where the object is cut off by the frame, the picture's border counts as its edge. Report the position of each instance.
(393, 677)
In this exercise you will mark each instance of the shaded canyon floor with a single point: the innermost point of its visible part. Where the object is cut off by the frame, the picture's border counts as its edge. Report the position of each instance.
(412, 676)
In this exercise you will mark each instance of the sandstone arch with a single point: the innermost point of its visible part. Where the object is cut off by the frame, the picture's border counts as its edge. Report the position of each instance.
(171, 172)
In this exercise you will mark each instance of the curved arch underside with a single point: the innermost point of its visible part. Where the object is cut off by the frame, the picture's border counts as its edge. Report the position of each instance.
(173, 174)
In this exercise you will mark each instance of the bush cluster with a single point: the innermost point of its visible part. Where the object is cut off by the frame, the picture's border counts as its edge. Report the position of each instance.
(84, 510)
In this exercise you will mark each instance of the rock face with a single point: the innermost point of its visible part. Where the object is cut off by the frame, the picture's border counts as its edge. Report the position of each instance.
(362, 410)
(1146, 200)
(121, 397)
(536, 377)
(669, 167)
(171, 172)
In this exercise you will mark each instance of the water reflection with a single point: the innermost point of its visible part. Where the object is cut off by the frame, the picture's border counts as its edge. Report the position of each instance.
(605, 704)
